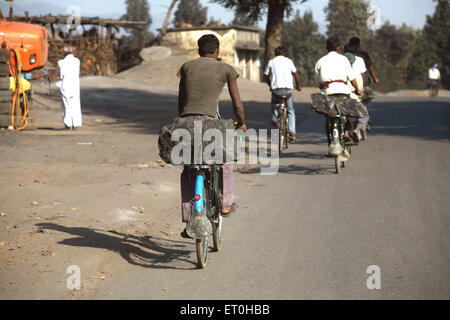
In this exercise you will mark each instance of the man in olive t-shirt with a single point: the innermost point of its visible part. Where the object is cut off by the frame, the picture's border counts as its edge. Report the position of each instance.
(201, 83)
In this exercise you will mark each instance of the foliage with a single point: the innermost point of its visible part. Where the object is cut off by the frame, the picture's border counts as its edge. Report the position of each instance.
(305, 45)
(432, 46)
(138, 10)
(347, 18)
(390, 49)
(191, 12)
(401, 55)
(253, 10)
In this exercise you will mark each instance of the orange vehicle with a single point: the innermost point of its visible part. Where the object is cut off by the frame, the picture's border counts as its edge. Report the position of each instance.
(30, 40)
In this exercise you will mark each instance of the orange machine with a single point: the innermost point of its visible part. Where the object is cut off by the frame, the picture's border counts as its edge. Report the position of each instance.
(29, 39)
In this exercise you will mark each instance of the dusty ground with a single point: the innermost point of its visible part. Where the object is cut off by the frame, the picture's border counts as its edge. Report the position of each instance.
(99, 197)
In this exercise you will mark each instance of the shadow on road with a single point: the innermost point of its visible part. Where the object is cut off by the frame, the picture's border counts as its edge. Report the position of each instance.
(296, 169)
(423, 118)
(144, 251)
(302, 154)
(148, 112)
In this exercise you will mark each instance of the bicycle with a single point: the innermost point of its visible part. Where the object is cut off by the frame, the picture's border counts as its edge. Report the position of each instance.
(283, 124)
(433, 87)
(338, 148)
(206, 219)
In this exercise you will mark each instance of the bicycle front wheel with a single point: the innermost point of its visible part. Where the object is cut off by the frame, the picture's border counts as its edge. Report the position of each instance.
(202, 252)
(283, 130)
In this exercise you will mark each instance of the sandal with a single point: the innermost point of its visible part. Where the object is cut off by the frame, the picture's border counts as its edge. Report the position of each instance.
(228, 213)
(185, 235)
(348, 141)
(292, 137)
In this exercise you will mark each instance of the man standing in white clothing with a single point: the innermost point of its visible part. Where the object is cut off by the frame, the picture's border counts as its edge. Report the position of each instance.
(69, 84)
(279, 72)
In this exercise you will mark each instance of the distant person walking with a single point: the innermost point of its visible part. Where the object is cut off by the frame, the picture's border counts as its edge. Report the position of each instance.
(433, 80)
(69, 84)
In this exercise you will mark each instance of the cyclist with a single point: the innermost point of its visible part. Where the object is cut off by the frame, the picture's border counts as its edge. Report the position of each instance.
(433, 79)
(278, 75)
(201, 82)
(355, 43)
(359, 68)
(332, 72)
(369, 76)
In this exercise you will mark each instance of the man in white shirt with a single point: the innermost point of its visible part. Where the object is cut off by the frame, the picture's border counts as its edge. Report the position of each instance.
(332, 73)
(279, 72)
(433, 79)
(69, 84)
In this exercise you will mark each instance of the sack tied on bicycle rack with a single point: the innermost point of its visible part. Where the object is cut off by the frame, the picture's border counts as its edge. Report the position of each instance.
(342, 104)
(196, 130)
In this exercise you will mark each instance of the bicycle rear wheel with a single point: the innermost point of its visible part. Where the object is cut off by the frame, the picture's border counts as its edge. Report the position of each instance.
(202, 251)
(216, 210)
(286, 133)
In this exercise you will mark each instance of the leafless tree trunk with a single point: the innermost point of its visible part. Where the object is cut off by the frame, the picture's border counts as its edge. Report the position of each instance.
(163, 30)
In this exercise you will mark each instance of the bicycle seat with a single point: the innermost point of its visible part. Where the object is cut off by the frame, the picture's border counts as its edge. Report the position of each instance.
(282, 96)
(201, 166)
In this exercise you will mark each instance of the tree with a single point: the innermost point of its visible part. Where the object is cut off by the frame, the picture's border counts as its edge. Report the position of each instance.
(305, 44)
(242, 18)
(192, 12)
(432, 46)
(348, 18)
(139, 10)
(255, 9)
(163, 30)
(390, 49)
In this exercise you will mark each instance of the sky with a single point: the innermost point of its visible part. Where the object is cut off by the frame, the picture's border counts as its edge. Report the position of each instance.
(411, 12)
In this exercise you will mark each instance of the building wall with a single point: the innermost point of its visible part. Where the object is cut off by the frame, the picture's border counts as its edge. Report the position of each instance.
(245, 61)
(185, 42)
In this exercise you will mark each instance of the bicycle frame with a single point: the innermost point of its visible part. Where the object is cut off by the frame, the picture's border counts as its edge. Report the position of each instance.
(199, 182)
(337, 127)
(281, 106)
(206, 219)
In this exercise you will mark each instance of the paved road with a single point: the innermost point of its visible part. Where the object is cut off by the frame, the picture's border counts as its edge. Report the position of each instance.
(307, 233)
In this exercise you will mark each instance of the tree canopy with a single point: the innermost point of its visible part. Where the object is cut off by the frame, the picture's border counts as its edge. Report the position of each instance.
(139, 10)
(304, 43)
(190, 12)
(253, 10)
(432, 46)
(347, 18)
